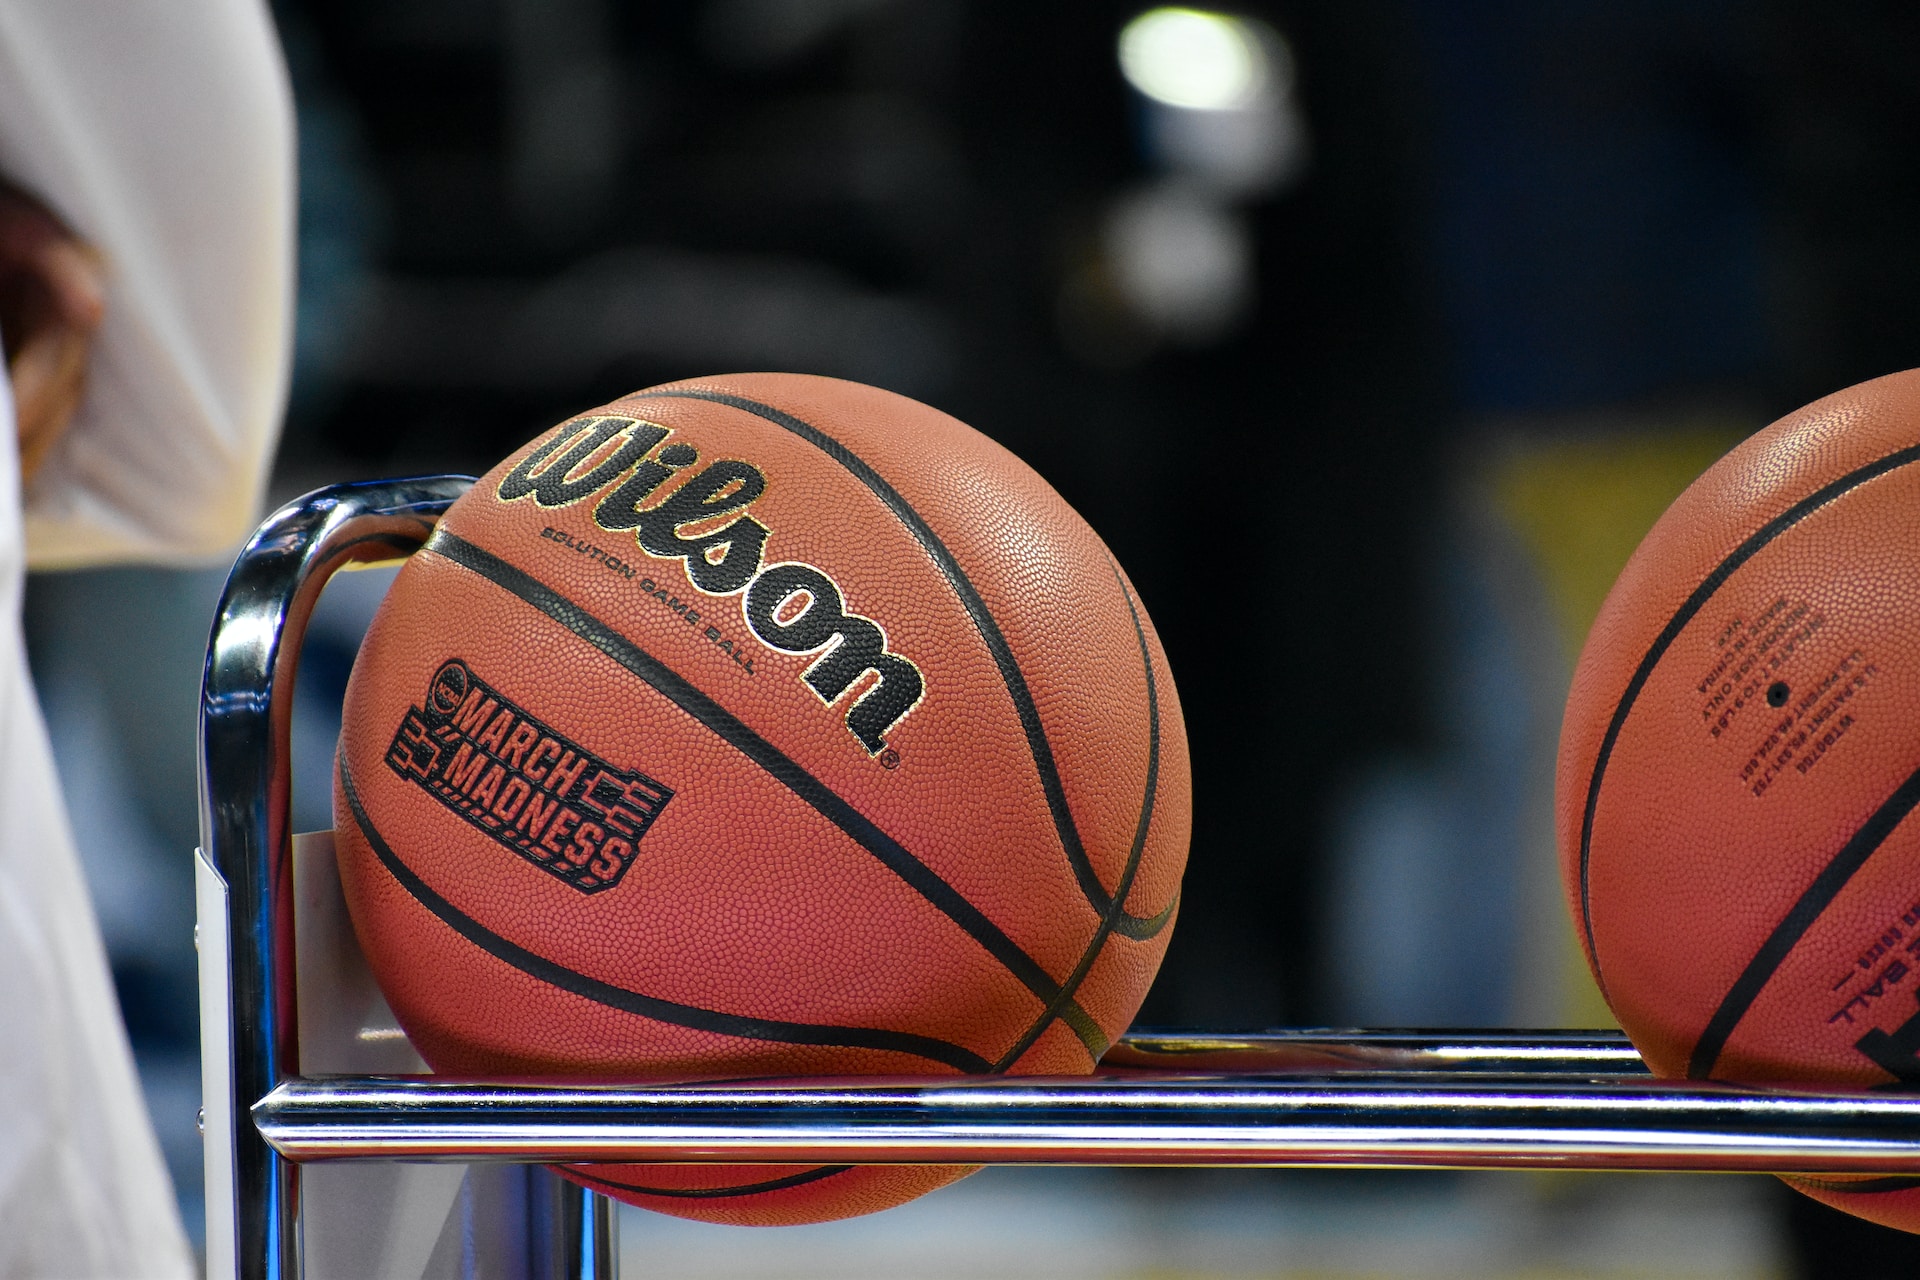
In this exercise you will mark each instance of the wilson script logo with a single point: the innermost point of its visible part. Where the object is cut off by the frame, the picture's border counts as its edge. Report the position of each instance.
(704, 522)
(531, 788)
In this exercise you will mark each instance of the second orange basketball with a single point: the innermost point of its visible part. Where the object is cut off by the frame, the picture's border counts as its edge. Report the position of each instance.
(1737, 769)
(755, 726)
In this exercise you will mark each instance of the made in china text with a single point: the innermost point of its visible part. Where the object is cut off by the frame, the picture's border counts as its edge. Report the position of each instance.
(540, 794)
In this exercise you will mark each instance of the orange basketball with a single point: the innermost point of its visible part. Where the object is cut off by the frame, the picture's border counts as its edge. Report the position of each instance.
(756, 726)
(1739, 762)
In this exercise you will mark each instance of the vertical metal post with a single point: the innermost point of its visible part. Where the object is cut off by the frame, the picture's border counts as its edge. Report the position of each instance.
(245, 710)
(523, 1222)
(577, 1231)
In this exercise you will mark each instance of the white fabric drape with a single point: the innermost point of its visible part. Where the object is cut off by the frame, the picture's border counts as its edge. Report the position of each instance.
(83, 1191)
(162, 133)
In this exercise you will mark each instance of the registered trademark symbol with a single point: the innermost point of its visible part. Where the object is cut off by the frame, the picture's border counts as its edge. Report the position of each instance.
(889, 759)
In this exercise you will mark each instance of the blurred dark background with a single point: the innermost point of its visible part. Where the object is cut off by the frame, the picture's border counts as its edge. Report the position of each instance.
(545, 204)
(1269, 304)
(1254, 385)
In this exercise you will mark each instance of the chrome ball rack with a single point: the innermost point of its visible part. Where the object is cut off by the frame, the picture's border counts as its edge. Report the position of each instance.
(1358, 1099)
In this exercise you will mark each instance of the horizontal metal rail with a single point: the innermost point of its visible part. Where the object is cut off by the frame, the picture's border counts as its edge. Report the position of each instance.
(1592, 1053)
(1415, 1114)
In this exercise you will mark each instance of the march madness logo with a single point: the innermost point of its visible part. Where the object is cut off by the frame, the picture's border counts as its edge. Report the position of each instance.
(545, 797)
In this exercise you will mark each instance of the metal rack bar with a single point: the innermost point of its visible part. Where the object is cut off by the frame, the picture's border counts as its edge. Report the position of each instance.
(1367, 1098)
(1371, 1120)
(1310, 1051)
(245, 935)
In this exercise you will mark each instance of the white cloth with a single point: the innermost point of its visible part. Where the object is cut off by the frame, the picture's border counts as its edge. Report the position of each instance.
(83, 1191)
(162, 132)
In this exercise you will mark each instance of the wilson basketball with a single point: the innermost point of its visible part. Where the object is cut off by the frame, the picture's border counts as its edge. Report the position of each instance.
(759, 726)
(1740, 761)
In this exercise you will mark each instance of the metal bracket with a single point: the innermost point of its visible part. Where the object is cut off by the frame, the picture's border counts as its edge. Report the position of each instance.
(250, 1040)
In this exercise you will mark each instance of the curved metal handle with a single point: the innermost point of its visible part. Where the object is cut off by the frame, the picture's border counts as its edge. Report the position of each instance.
(246, 698)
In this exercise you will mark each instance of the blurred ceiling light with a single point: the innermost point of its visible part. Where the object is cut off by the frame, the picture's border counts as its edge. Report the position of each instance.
(1196, 59)
(1182, 262)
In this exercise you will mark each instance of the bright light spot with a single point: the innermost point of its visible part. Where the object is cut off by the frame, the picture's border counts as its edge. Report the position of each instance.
(1192, 58)
(1183, 263)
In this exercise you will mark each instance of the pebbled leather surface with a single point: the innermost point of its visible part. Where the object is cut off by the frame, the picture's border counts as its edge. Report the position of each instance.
(1750, 865)
(743, 898)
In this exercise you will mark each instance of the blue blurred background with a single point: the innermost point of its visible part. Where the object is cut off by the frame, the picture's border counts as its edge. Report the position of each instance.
(1371, 334)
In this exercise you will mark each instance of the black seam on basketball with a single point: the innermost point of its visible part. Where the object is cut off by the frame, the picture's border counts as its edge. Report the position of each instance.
(983, 621)
(713, 1193)
(1825, 887)
(1864, 1186)
(1141, 928)
(659, 1010)
(1149, 792)
(730, 729)
(1693, 604)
